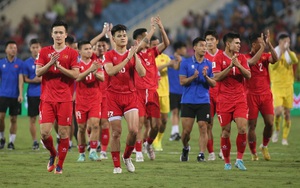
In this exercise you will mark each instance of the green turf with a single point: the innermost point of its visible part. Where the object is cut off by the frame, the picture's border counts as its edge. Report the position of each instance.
(26, 168)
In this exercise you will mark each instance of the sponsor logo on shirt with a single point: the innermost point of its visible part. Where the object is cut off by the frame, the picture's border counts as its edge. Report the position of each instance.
(193, 66)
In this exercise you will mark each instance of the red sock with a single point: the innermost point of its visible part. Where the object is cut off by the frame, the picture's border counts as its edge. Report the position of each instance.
(252, 146)
(138, 146)
(226, 147)
(241, 142)
(104, 139)
(128, 151)
(63, 147)
(81, 148)
(210, 146)
(116, 158)
(48, 143)
(149, 140)
(266, 141)
(93, 144)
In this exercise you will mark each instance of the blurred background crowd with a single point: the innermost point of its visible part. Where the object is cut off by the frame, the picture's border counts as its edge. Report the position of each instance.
(86, 17)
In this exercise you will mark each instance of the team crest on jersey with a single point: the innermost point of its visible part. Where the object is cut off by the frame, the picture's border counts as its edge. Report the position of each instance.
(65, 56)
(16, 66)
(162, 60)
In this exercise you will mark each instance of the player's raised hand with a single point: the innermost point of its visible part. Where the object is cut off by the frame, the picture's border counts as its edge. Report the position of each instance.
(94, 66)
(235, 61)
(109, 30)
(268, 37)
(196, 73)
(262, 42)
(132, 51)
(152, 23)
(157, 20)
(54, 57)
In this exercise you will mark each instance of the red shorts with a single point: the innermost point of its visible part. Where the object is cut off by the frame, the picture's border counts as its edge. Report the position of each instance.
(148, 103)
(229, 111)
(104, 110)
(119, 103)
(59, 111)
(84, 112)
(260, 103)
(213, 105)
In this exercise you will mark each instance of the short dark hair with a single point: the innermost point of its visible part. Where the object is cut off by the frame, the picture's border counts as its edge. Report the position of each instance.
(34, 41)
(83, 42)
(70, 39)
(253, 37)
(178, 45)
(10, 42)
(138, 32)
(283, 36)
(153, 38)
(60, 23)
(104, 39)
(212, 33)
(230, 36)
(196, 40)
(118, 27)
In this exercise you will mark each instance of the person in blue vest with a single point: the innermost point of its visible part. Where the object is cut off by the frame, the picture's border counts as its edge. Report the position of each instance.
(195, 75)
(11, 90)
(175, 90)
(34, 88)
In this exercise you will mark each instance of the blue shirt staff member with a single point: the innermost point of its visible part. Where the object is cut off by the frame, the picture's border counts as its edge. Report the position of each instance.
(34, 88)
(195, 76)
(11, 90)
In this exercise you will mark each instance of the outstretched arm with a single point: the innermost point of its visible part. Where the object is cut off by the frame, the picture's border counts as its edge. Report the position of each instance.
(105, 30)
(147, 38)
(165, 40)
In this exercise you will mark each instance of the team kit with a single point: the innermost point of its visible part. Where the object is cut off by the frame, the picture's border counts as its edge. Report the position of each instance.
(83, 89)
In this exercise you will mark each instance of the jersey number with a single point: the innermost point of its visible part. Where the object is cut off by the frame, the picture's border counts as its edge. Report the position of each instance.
(89, 76)
(260, 67)
(233, 70)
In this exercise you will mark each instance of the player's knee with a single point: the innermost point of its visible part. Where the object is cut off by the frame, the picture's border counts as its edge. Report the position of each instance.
(116, 134)
(45, 134)
(81, 129)
(13, 119)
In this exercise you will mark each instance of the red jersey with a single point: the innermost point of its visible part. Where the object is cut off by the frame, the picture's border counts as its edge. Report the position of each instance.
(57, 87)
(104, 84)
(123, 81)
(259, 83)
(87, 90)
(150, 80)
(231, 88)
(213, 90)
